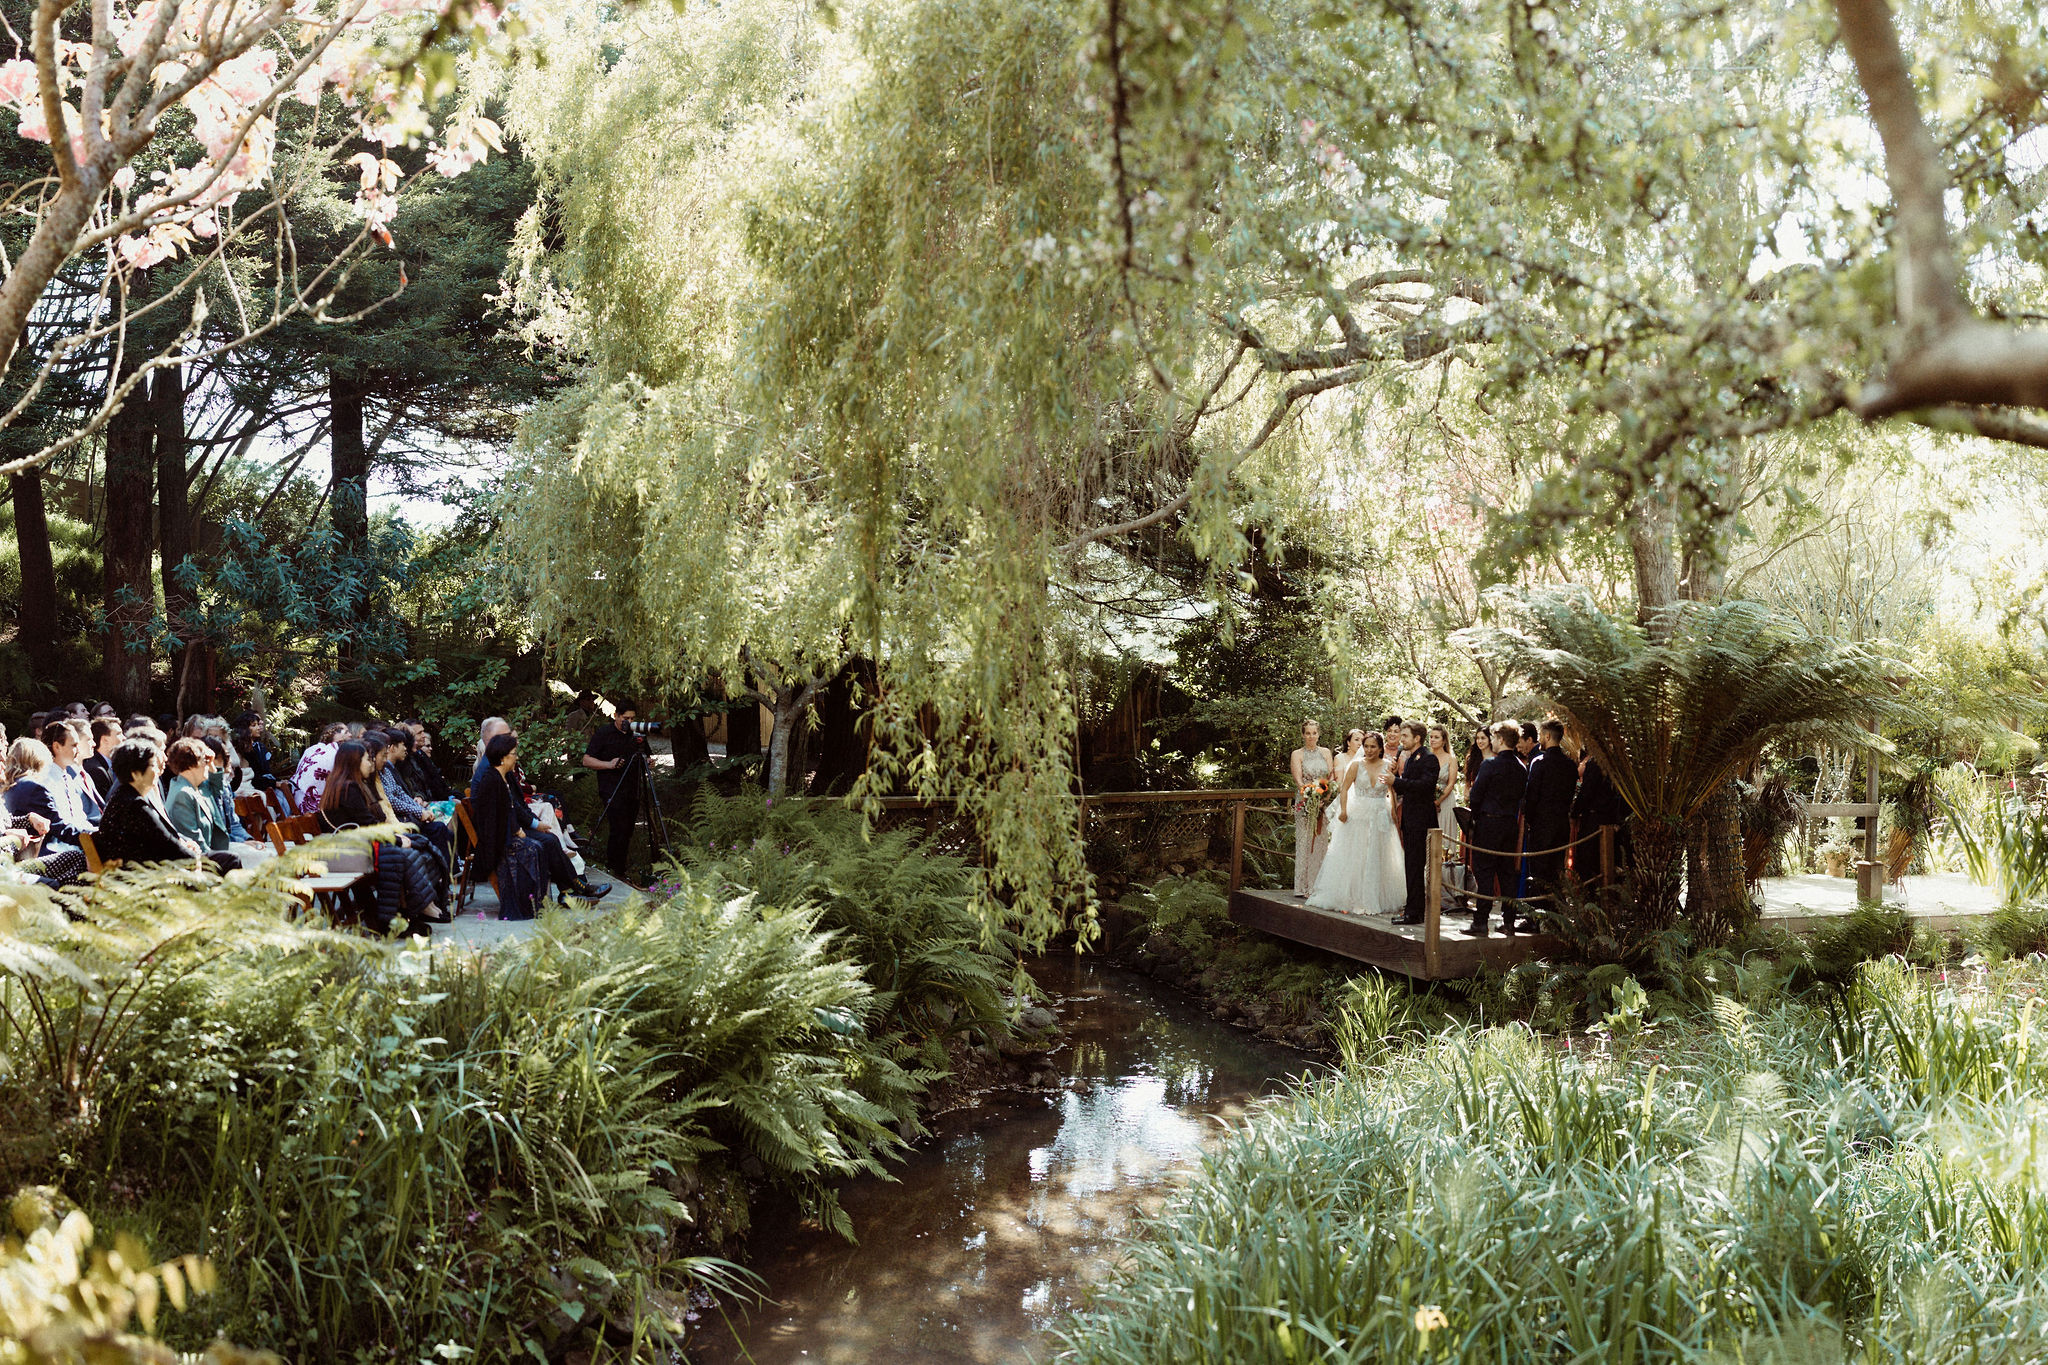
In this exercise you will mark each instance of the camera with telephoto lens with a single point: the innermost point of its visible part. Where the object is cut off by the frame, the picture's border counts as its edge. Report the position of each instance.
(643, 728)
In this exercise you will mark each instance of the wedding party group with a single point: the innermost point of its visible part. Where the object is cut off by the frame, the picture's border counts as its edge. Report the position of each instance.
(1362, 818)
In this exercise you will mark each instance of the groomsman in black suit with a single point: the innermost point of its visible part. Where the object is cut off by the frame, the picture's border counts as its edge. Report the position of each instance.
(1496, 801)
(1416, 786)
(1547, 809)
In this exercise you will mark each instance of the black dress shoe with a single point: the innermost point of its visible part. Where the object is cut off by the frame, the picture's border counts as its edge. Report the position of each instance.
(593, 893)
(1477, 928)
(1409, 920)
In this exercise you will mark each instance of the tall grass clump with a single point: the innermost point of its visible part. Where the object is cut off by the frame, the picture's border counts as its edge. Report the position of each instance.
(2004, 838)
(1782, 1183)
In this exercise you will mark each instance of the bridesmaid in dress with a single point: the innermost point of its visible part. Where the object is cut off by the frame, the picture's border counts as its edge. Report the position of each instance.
(1447, 802)
(1310, 763)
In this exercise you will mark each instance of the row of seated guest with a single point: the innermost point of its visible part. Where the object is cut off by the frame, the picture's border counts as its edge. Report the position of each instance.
(135, 827)
(413, 768)
(412, 878)
(43, 812)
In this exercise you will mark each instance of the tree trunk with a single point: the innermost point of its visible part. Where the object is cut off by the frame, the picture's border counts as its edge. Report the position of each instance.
(130, 595)
(349, 457)
(36, 623)
(1717, 886)
(787, 712)
(1657, 853)
(349, 492)
(190, 673)
(1652, 530)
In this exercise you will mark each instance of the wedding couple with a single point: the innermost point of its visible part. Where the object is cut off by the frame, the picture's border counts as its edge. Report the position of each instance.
(1372, 865)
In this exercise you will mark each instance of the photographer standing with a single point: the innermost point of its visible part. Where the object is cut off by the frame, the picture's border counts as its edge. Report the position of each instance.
(612, 754)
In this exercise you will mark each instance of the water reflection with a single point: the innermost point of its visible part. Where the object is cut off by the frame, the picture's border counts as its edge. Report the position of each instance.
(989, 1235)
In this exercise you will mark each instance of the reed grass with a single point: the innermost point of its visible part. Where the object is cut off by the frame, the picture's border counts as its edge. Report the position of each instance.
(1862, 1179)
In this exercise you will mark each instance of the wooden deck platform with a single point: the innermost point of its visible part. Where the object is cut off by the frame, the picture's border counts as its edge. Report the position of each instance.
(1379, 941)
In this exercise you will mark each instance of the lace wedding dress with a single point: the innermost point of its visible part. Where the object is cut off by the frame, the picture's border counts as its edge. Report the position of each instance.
(1363, 874)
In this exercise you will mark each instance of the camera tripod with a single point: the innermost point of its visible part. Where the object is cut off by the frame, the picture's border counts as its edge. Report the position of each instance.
(638, 768)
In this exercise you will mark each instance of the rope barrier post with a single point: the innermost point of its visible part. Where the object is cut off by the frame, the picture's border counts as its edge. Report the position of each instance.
(1432, 910)
(1606, 855)
(1237, 846)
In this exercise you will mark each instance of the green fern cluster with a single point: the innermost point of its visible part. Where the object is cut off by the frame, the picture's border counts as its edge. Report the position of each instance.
(900, 908)
(496, 1156)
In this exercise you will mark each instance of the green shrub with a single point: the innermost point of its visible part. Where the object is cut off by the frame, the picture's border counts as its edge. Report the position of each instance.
(1190, 910)
(2016, 931)
(900, 908)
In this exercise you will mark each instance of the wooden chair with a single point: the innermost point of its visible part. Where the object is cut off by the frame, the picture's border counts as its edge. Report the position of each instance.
(466, 886)
(92, 856)
(279, 803)
(254, 813)
(293, 829)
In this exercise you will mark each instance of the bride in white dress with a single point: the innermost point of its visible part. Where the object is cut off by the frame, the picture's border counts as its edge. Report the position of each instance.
(1363, 874)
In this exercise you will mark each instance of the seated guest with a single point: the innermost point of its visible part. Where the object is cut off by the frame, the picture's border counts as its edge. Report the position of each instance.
(505, 848)
(136, 828)
(492, 727)
(316, 765)
(252, 742)
(383, 748)
(69, 743)
(405, 873)
(20, 842)
(391, 771)
(433, 783)
(503, 820)
(33, 785)
(106, 733)
(191, 807)
(220, 786)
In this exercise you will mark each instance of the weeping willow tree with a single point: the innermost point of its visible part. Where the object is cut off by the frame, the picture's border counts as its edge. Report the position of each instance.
(1676, 708)
(889, 324)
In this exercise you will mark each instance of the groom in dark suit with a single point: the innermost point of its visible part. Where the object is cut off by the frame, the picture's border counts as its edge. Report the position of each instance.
(1496, 799)
(1547, 810)
(1416, 786)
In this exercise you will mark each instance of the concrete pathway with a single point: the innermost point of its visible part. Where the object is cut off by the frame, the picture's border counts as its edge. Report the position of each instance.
(1939, 899)
(479, 927)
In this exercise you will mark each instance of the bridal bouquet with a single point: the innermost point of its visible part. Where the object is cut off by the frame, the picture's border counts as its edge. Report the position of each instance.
(1314, 797)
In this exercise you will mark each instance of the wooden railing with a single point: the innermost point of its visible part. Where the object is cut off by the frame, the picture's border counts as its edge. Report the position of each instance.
(1142, 818)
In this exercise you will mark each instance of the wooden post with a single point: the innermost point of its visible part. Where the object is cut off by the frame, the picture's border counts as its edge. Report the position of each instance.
(1237, 847)
(1433, 907)
(1870, 874)
(1606, 855)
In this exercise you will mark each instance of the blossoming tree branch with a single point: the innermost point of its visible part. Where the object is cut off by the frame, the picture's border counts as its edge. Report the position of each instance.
(99, 104)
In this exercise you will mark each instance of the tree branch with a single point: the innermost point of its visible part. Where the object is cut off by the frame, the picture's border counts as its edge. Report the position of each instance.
(1947, 354)
(2000, 424)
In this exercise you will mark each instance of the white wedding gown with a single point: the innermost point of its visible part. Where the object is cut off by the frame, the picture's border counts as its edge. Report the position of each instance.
(1362, 874)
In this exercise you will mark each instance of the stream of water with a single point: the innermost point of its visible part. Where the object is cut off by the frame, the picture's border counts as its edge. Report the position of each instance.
(996, 1225)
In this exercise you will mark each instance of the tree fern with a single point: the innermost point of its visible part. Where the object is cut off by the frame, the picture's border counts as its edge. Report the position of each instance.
(1675, 709)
